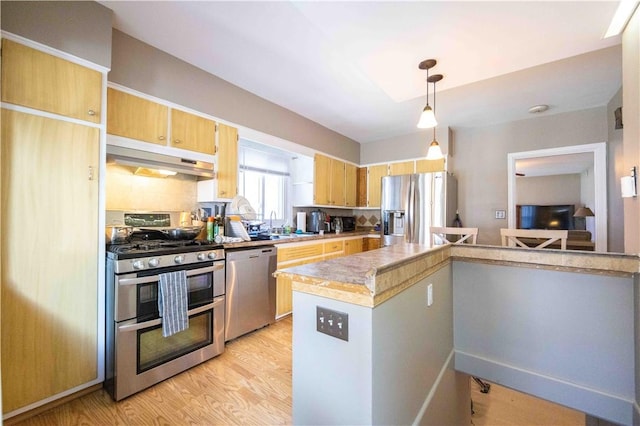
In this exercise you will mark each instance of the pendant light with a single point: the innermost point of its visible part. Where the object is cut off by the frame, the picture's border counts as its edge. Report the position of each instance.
(427, 118)
(434, 152)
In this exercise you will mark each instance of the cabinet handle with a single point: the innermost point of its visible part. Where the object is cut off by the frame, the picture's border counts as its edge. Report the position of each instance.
(177, 141)
(90, 173)
(161, 137)
(91, 112)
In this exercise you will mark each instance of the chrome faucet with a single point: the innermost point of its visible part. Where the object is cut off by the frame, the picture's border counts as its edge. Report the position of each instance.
(271, 217)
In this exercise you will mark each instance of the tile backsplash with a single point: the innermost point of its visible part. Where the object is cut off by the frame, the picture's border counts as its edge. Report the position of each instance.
(126, 191)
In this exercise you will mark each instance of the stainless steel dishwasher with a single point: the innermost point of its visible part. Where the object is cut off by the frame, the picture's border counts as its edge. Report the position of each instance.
(251, 290)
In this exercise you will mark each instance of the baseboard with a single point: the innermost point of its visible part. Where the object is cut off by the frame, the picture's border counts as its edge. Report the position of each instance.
(597, 403)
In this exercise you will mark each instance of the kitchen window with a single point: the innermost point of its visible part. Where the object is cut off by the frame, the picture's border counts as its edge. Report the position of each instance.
(265, 181)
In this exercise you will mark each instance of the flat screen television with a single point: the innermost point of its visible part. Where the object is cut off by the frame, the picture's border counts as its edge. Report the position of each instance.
(546, 217)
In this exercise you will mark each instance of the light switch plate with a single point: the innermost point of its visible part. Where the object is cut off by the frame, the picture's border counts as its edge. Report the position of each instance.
(501, 214)
(430, 295)
(332, 322)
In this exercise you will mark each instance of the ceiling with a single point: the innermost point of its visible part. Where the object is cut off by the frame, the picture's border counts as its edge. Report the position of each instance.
(353, 66)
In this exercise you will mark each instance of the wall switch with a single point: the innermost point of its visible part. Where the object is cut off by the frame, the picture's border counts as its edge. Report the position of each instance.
(430, 295)
(501, 214)
(332, 322)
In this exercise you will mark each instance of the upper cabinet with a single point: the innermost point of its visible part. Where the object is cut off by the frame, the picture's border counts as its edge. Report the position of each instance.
(402, 168)
(329, 181)
(374, 177)
(427, 166)
(137, 118)
(37, 80)
(227, 173)
(350, 185)
(192, 132)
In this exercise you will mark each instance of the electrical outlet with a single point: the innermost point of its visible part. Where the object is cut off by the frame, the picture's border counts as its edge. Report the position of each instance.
(332, 322)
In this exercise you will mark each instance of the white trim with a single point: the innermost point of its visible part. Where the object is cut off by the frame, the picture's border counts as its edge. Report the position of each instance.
(46, 114)
(599, 151)
(433, 389)
(54, 52)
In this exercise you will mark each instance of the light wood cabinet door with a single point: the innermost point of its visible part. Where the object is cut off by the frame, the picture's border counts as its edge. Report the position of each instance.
(284, 296)
(137, 118)
(337, 176)
(427, 166)
(227, 173)
(361, 197)
(44, 82)
(192, 132)
(353, 246)
(374, 178)
(350, 185)
(372, 243)
(321, 179)
(403, 168)
(49, 317)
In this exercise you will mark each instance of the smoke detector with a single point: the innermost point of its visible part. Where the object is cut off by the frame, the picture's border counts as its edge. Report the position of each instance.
(538, 108)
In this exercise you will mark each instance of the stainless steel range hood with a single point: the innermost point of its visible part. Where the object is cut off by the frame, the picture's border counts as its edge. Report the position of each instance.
(153, 160)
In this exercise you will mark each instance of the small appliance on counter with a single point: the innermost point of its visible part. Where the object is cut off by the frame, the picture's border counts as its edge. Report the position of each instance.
(316, 221)
(348, 223)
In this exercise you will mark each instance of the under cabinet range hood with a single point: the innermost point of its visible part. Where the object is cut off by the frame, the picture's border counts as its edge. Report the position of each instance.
(153, 160)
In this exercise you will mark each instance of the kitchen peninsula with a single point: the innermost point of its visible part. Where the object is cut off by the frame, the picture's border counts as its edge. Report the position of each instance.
(419, 320)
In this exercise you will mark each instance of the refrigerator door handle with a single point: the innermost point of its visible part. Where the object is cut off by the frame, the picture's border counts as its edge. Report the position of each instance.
(410, 215)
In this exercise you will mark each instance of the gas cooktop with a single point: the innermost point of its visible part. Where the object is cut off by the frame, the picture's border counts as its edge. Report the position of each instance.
(142, 248)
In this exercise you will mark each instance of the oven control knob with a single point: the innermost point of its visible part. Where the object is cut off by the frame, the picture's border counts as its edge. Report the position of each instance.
(178, 259)
(138, 264)
(202, 256)
(153, 262)
(212, 255)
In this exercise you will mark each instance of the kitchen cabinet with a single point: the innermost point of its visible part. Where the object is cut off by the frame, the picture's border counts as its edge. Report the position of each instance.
(137, 118)
(426, 166)
(192, 132)
(227, 172)
(225, 185)
(333, 249)
(50, 168)
(401, 168)
(328, 181)
(353, 245)
(37, 80)
(350, 185)
(371, 243)
(361, 187)
(374, 180)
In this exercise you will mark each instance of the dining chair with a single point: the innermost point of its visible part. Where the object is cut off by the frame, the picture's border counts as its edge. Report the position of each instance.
(439, 235)
(534, 238)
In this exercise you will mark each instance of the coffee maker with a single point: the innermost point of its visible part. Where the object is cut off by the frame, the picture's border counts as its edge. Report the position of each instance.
(316, 221)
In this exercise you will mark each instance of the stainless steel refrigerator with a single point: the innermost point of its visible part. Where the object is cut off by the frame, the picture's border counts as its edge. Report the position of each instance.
(411, 204)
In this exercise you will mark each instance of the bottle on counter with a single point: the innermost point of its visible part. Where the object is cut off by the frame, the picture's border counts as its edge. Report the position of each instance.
(210, 229)
(220, 220)
(457, 223)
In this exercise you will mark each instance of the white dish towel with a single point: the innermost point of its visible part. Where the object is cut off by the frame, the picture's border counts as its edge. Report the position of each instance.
(173, 302)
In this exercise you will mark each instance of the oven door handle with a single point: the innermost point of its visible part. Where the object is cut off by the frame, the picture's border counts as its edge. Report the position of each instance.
(155, 278)
(133, 327)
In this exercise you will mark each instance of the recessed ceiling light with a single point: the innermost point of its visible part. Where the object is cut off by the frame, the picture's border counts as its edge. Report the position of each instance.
(538, 108)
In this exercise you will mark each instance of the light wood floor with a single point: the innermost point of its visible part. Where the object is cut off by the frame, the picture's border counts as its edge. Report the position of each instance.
(250, 384)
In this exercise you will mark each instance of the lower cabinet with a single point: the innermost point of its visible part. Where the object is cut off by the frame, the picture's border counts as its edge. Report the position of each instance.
(295, 254)
(49, 315)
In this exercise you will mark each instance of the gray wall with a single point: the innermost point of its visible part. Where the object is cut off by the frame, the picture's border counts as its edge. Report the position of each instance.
(561, 336)
(547, 190)
(481, 160)
(387, 372)
(82, 28)
(615, 170)
(144, 68)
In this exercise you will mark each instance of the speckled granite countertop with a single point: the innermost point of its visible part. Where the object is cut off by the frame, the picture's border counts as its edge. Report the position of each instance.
(371, 277)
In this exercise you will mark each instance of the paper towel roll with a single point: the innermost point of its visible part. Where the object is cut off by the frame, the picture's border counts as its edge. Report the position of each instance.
(301, 222)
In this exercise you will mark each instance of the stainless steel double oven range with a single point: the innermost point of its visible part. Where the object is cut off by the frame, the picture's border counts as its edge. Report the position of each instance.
(137, 354)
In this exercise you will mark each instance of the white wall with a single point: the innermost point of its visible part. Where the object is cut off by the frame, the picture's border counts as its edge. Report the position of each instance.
(615, 170)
